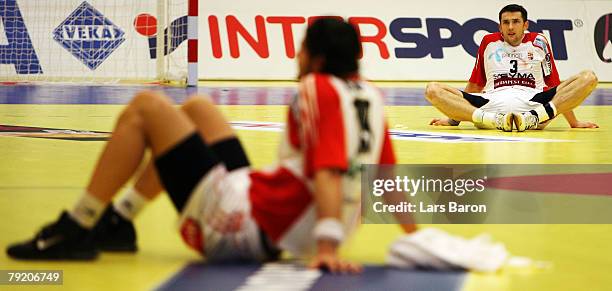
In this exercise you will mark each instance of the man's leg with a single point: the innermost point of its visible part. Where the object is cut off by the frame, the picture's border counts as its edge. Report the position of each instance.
(115, 230)
(449, 101)
(568, 95)
(572, 92)
(148, 121)
(461, 106)
(214, 129)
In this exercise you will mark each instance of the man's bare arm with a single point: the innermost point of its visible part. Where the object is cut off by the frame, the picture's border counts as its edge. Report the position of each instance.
(328, 202)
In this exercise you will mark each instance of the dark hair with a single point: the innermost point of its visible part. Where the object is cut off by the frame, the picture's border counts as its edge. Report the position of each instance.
(337, 42)
(514, 8)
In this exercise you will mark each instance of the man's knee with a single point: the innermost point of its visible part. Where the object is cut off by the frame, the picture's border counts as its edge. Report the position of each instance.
(197, 101)
(433, 92)
(149, 102)
(130, 116)
(589, 78)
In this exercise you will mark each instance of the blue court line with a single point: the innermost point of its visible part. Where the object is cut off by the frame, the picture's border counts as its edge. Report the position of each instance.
(398, 134)
(73, 94)
(208, 277)
(384, 278)
(202, 276)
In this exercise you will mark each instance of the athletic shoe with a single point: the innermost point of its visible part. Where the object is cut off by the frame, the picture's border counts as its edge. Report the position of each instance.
(64, 239)
(114, 233)
(525, 120)
(503, 121)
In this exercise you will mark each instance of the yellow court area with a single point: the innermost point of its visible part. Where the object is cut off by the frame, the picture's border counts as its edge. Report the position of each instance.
(39, 177)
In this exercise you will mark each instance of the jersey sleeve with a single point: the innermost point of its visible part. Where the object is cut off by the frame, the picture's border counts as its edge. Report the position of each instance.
(478, 72)
(322, 125)
(387, 155)
(549, 68)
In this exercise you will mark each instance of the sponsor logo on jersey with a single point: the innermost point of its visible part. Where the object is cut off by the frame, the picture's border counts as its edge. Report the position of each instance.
(540, 42)
(497, 54)
(515, 75)
(88, 35)
(516, 79)
(512, 55)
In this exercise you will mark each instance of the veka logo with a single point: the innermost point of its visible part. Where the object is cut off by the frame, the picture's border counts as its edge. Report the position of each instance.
(403, 30)
(146, 25)
(88, 35)
(19, 51)
(603, 38)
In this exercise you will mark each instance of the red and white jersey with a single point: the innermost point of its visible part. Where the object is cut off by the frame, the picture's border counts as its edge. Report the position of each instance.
(332, 124)
(530, 64)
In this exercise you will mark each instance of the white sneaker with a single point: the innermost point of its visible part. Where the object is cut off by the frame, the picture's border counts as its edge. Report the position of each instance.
(525, 120)
(503, 121)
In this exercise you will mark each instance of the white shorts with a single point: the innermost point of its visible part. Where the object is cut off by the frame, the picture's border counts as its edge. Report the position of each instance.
(509, 99)
(217, 221)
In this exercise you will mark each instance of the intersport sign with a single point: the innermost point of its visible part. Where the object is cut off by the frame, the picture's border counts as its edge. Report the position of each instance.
(402, 41)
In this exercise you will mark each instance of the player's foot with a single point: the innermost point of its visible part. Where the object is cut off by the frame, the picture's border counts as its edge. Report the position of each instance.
(64, 239)
(115, 233)
(503, 121)
(525, 120)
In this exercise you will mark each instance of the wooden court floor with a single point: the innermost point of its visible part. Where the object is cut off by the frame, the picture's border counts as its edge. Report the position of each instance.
(41, 176)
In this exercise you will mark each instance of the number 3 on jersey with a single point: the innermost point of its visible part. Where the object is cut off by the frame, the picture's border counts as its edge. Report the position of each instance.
(514, 64)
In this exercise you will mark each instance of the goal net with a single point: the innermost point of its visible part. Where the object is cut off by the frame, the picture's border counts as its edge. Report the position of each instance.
(99, 41)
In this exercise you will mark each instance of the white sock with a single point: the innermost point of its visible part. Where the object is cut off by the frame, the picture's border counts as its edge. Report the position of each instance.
(483, 118)
(87, 210)
(543, 113)
(130, 204)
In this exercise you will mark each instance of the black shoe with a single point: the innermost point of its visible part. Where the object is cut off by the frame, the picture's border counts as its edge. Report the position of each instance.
(114, 233)
(64, 239)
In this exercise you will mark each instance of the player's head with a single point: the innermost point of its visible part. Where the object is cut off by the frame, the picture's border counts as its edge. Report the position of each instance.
(513, 23)
(331, 46)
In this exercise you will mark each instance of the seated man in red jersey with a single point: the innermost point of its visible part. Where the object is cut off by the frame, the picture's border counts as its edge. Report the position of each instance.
(514, 83)
(227, 210)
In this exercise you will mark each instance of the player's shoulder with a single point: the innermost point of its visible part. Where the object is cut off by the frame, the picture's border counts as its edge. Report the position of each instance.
(316, 79)
(320, 85)
(324, 81)
(537, 39)
(491, 38)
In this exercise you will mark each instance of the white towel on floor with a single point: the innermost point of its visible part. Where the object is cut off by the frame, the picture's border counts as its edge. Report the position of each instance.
(433, 248)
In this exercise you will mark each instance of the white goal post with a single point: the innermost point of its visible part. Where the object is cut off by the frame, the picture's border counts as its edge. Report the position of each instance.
(99, 41)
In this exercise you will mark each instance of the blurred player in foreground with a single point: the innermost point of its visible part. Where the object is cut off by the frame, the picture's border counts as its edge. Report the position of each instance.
(227, 210)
